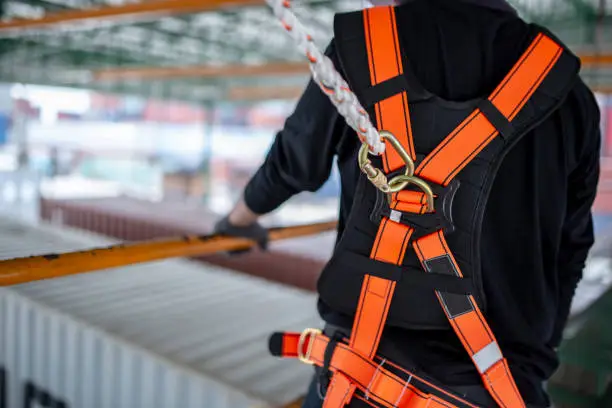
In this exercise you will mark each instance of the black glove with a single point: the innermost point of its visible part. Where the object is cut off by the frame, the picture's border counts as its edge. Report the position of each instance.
(254, 231)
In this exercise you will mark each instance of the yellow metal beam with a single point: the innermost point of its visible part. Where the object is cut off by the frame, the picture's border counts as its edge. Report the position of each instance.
(22, 270)
(148, 10)
(602, 89)
(201, 71)
(226, 71)
(595, 59)
(257, 93)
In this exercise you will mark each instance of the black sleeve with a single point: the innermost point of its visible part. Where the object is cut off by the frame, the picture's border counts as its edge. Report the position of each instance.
(301, 156)
(577, 235)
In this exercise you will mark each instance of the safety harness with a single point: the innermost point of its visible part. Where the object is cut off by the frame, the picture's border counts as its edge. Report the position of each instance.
(432, 207)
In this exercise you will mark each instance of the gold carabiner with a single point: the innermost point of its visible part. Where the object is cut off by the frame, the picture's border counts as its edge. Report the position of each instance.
(397, 183)
(376, 176)
(409, 171)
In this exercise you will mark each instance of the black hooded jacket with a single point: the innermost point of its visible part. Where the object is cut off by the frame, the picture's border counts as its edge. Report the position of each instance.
(537, 229)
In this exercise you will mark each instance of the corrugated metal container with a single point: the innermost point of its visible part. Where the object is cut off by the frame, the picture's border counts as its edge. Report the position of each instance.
(45, 352)
(165, 334)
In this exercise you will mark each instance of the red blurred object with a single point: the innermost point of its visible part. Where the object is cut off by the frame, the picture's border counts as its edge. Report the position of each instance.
(131, 220)
(173, 112)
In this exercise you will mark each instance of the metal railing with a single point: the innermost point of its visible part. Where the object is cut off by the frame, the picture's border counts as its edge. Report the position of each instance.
(29, 269)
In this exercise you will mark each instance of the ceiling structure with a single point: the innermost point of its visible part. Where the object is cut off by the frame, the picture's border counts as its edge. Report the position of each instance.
(209, 50)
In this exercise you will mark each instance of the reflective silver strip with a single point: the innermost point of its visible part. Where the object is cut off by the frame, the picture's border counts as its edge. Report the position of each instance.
(395, 216)
(487, 357)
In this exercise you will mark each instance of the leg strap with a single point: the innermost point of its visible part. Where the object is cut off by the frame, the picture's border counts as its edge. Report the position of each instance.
(466, 319)
(374, 302)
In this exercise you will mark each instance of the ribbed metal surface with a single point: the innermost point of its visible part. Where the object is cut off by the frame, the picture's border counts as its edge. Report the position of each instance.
(165, 334)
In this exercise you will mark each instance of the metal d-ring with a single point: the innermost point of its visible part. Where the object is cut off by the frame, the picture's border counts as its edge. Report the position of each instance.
(426, 188)
(308, 334)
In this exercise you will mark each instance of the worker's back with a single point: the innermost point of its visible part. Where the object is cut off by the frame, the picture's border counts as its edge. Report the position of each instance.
(537, 226)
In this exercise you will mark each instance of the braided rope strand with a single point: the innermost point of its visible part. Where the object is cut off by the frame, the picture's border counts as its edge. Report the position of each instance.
(328, 79)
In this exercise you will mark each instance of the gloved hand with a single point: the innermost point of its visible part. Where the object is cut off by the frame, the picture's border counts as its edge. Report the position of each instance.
(254, 231)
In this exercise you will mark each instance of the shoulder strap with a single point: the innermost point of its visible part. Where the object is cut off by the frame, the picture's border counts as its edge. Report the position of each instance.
(376, 74)
(534, 88)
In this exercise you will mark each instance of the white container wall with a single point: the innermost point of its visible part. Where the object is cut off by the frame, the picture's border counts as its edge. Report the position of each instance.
(50, 360)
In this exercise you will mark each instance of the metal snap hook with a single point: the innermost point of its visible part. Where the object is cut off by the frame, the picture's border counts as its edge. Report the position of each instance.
(376, 176)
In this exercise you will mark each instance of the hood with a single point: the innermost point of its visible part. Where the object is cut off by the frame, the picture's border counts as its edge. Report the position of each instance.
(501, 5)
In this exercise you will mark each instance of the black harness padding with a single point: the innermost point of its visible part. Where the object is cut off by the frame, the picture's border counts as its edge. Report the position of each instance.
(460, 206)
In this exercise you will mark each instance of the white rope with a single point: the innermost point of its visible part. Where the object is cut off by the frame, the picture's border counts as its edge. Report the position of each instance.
(330, 81)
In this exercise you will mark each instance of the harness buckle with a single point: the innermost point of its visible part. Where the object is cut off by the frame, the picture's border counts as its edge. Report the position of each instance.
(308, 334)
(426, 223)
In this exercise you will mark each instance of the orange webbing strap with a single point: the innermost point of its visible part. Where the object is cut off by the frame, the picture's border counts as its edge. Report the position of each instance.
(409, 201)
(340, 391)
(475, 132)
(469, 324)
(372, 377)
(374, 302)
(289, 345)
(385, 61)
(392, 239)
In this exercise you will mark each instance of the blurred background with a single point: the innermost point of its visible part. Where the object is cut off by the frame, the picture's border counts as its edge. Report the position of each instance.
(125, 121)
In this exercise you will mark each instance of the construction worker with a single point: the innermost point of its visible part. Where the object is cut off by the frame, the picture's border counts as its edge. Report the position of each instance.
(535, 231)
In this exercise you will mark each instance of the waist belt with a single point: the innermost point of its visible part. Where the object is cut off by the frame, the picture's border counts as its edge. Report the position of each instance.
(378, 382)
(356, 370)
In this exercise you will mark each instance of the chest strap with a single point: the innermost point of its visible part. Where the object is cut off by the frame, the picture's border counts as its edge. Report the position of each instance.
(356, 370)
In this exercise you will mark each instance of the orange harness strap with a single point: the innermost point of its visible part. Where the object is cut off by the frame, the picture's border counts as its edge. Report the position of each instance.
(469, 324)
(447, 160)
(392, 238)
(476, 131)
(385, 59)
(440, 166)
